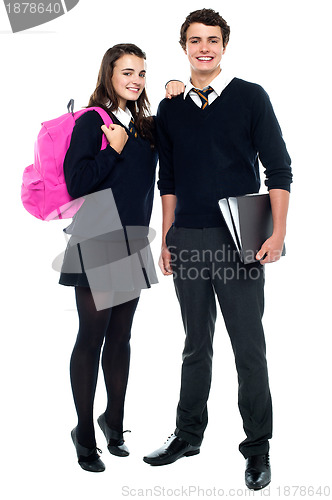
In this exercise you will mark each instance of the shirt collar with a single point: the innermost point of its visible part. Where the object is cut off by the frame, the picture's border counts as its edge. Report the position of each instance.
(218, 84)
(123, 116)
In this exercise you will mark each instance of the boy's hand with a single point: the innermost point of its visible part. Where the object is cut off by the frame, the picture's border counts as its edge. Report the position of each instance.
(165, 261)
(271, 250)
(174, 88)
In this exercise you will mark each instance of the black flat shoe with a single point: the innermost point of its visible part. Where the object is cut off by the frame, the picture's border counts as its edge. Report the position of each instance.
(258, 472)
(115, 441)
(88, 458)
(172, 450)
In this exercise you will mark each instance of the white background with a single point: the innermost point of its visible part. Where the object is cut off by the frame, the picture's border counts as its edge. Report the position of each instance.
(283, 45)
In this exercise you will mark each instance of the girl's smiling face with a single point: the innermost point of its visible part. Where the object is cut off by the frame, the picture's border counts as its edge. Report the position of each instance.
(128, 78)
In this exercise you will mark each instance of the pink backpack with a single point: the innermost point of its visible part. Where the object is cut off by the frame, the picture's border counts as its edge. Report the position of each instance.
(44, 193)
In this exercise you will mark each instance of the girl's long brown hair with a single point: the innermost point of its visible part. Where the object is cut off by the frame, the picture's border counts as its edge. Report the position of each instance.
(104, 91)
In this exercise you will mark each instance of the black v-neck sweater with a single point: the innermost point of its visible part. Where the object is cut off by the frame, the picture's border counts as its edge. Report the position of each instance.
(130, 175)
(209, 154)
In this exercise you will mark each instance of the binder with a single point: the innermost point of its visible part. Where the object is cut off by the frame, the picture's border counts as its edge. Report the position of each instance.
(249, 220)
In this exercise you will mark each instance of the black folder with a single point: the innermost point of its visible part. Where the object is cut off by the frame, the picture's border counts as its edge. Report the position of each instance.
(249, 220)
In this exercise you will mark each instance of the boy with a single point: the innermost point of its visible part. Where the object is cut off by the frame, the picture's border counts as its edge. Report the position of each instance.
(210, 139)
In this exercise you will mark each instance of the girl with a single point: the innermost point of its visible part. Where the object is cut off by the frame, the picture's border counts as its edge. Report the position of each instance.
(118, 183)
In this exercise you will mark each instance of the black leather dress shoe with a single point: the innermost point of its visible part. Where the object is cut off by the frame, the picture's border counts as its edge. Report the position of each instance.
(172, 450)
(115, 441)
(87, 458)
(258, 472)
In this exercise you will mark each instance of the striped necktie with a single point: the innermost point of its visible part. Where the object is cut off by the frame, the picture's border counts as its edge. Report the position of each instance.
(132, 129)
(203, 94)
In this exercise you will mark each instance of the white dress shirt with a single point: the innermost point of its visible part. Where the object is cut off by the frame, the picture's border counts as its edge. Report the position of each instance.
(219, 83)
(123, 116)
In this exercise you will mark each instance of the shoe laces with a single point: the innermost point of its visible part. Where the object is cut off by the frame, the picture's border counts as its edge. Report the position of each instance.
(90, 458)
(169, 437)
(126, 431)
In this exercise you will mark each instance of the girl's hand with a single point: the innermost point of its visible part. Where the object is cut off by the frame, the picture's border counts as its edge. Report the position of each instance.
(116, 136)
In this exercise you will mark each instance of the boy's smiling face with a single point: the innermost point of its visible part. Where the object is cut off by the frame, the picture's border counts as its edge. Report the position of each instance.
(204, 49)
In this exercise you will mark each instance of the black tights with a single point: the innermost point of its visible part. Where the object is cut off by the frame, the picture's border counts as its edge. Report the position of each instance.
(112, 327)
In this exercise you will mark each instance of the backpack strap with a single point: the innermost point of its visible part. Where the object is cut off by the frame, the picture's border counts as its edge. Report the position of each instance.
(107, 120)
(103, 114)
(70, 106)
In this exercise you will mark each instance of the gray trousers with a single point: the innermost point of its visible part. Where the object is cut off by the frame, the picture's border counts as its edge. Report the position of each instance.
(205, 266)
